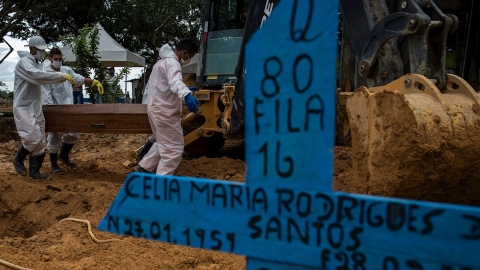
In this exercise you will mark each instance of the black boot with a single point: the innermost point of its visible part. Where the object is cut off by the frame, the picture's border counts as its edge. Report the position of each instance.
(139, 168)
(145, 149)
(22, 153)
(64, 151)
(35, 165)
(53, 161)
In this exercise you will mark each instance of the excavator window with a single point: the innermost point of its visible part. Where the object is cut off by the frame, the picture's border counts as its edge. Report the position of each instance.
(227, 14)
(225, 30)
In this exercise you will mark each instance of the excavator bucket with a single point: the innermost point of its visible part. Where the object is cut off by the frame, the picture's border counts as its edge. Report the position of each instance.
(412, 140)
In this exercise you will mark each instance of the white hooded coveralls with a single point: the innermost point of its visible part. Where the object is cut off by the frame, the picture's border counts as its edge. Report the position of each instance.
(60, 94)
(166, 91)
(27, 101)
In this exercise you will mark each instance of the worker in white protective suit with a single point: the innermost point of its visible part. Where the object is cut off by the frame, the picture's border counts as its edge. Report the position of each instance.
(166, 91)
(151, 139)
(27, 106)
(62, 94)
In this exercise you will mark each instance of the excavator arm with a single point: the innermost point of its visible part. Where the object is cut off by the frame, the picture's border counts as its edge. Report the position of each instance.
(391, 40)
(414, 127)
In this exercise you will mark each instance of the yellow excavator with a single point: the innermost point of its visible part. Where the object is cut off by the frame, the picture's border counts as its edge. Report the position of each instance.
(414, 128)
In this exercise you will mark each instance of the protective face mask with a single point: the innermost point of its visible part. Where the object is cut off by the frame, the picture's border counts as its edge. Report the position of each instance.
(40, 55)
(56, 64)
(184, 62)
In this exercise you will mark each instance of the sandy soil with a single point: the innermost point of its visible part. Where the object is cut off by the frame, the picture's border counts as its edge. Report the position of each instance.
(31, 234)
(30, 210)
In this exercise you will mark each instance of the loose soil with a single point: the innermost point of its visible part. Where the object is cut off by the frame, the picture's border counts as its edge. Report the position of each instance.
(31, 234)
(30, 210)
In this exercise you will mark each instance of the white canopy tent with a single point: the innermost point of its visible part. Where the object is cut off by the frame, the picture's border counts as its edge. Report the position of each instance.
(111, 53)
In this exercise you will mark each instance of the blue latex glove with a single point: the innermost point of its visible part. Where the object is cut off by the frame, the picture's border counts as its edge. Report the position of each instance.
(192, 103)
(193, 89)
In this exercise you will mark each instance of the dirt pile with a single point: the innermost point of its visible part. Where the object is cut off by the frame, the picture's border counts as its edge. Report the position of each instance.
(5, 105)
(30, 210)
(414, 146)
(7, 125)
(31, 234)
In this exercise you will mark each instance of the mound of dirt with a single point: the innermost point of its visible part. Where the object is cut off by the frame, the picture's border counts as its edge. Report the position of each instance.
(6, 105)
(414, 146)
(32, 236)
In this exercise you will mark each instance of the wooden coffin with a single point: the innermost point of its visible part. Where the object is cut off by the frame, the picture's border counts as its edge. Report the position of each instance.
(97, 118)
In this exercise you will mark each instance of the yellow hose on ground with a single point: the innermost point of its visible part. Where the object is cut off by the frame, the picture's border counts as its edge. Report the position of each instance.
(89, 226)
(95, 239)
(12, 266)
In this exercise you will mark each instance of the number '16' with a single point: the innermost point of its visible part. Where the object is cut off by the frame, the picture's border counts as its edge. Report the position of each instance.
(273, 68)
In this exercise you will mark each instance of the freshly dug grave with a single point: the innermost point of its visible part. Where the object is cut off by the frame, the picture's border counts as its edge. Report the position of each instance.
(30, 210)
(31, 234)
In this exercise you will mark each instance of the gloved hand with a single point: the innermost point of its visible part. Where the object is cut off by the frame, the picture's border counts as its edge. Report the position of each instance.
(99, 86)
(69, 78)
(192, 103)
(193, 89)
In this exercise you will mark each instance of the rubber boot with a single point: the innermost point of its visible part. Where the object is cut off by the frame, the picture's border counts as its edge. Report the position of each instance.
(145, 149)
(64, 152)
(35, 165)
(139, 168)
(18, 159)
(53, 161)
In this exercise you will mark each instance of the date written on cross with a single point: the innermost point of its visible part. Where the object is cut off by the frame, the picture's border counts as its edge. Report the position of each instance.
(286, 216)
(322, 228)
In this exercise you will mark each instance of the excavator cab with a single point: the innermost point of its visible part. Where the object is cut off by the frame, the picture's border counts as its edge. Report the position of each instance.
(228, 25)
(223, 31)
(222, 41)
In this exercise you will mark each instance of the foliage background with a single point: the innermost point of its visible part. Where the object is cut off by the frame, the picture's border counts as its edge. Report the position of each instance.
(139, 26)
(4, 93)
(85, 47)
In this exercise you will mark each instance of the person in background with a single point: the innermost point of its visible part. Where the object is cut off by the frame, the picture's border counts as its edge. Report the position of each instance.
(111, 75)
(166, 90)
(61, 94)
(27, 106)
(108, 79)
(127, 98)
(78, 93)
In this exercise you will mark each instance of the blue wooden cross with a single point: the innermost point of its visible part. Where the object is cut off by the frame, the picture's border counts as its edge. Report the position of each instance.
(286, 216)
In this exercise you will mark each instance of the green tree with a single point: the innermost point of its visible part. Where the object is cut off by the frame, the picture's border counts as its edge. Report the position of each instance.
(139, 26)
(144, 26)
(50, 19)
(113, 90)
(85, 48)
(13, 14)
(4, 92)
